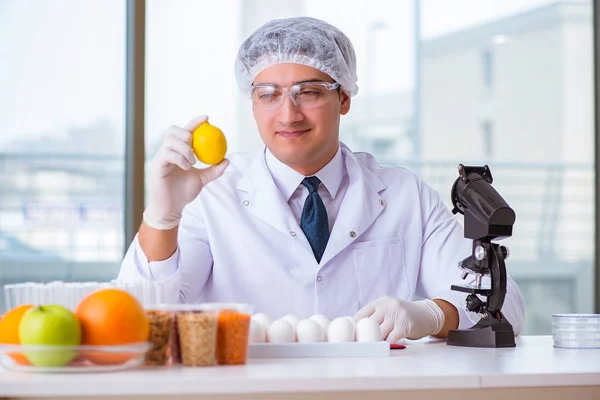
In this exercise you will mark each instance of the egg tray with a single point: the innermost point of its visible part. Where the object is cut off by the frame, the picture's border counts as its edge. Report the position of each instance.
(319, 350)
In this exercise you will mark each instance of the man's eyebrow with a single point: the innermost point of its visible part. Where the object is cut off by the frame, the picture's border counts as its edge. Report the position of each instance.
(309, 80)
(295, 83)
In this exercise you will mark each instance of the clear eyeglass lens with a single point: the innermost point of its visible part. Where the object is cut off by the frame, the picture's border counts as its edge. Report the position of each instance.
(307, 95)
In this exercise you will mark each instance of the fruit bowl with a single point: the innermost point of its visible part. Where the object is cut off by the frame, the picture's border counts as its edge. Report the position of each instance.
(46, 358)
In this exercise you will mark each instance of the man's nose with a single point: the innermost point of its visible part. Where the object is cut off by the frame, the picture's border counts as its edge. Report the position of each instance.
(289, 113)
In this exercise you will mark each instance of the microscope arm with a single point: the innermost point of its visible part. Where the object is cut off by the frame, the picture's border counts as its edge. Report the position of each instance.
(498, 279)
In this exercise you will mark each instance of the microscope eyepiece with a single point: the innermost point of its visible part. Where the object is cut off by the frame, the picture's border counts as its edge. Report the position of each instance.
(487, 215)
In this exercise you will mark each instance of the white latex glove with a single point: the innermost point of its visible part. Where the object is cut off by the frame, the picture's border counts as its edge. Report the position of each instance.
(173, 182)
(404, 319)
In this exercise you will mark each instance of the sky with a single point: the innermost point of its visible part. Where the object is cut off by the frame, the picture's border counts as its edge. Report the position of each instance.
(62, 62)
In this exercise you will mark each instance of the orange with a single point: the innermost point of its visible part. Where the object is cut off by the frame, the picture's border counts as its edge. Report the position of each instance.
(209, 144)
(9, 330)
(111, 317)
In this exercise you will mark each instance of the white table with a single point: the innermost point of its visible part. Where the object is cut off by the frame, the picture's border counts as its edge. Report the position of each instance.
(424, 370)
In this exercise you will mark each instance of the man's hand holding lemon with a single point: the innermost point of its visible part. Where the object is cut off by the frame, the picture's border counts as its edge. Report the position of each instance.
(174, 182)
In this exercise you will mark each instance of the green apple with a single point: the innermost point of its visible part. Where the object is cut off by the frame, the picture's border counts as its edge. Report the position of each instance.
(49, 325)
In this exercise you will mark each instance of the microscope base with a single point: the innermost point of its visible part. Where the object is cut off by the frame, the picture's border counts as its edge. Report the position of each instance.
(481, 337)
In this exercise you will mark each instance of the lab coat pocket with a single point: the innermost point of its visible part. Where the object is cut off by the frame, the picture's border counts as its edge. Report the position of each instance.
(380, 269)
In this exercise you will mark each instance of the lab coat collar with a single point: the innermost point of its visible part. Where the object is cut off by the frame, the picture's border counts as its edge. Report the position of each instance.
(362, 203)
(260, 195)
(287, 179)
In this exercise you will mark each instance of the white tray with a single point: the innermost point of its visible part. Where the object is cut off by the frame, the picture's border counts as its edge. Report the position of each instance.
(319, 350)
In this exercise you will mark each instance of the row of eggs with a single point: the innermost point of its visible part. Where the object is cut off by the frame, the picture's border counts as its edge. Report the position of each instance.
(317, 328)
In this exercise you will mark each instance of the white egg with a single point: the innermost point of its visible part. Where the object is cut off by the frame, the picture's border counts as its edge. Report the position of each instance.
(258, 333)
(292, 319)
(367, 330)
(340, 330)
(323, 321)
(351, 319)
(281, 331)
(308, 330)
(263, 319)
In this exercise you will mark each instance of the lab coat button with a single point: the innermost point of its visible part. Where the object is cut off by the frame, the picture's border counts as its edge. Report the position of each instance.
(382, 202)
(246, 202)
(319, 278)
(352, 234)
(292, 233)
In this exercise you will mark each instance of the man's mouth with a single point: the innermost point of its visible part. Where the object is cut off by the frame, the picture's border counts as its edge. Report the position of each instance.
(292, 134)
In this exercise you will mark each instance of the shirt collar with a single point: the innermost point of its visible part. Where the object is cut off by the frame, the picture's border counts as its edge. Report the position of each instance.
(287, 179)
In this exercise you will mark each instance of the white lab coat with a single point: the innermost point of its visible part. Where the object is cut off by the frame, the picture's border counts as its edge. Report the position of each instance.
(240, 242)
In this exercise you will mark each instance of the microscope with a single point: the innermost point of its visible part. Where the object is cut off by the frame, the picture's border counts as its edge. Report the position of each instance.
(486, 217)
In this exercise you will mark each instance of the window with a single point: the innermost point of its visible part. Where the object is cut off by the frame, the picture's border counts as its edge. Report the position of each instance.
(422, 67)
(62, 141)
(539, 122)
(487, 137)
(487, 65)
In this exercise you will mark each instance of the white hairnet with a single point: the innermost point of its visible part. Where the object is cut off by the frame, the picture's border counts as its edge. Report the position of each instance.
(300, 40)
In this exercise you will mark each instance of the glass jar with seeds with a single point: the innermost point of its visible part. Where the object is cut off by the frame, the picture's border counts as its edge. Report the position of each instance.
(197, 331)
(161, 325)
(233, 333)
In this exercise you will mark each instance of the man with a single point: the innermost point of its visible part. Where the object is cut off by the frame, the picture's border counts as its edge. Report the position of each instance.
(306, 226)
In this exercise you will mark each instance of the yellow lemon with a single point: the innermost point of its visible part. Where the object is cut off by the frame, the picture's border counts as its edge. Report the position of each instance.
(209, 144)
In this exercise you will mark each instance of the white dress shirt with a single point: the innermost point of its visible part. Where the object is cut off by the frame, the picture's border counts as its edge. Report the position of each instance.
(332, 190)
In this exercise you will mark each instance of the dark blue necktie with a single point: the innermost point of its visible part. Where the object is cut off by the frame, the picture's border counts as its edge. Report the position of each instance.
(314, 218)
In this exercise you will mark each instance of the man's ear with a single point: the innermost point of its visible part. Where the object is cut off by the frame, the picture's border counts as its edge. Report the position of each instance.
(345, 106)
